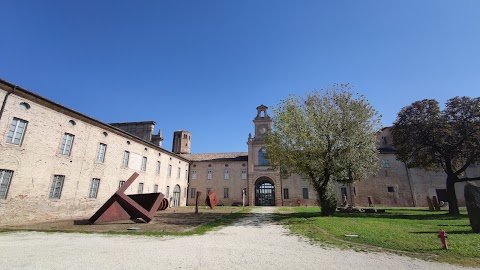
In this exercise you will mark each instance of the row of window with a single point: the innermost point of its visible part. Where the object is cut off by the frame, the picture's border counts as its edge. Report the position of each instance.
(226, 175)
(193, 193)
(57, 186)
(17, 131)
(55, 189)
(140, 187)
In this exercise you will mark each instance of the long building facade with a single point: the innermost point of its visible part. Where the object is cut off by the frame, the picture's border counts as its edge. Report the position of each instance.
(56, 163)
(247, 178)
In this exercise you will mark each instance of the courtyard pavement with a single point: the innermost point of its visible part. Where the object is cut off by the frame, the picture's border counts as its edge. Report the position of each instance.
(252, 243)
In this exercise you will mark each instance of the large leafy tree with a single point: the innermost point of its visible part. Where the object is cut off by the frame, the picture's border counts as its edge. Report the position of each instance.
(327, 135)
(429, 138)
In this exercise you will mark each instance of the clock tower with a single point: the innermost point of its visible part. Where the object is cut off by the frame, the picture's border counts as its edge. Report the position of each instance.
(262, 122)
(264, 183)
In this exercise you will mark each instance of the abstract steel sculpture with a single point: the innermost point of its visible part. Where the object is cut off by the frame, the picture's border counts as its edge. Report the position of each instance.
(121, 206)
(212, 199)
(163, 205)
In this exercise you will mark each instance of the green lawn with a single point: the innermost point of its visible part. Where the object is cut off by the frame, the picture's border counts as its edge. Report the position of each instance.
(410, 230)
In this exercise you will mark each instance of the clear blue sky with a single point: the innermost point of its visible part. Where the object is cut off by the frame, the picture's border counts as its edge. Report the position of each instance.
(204, 66)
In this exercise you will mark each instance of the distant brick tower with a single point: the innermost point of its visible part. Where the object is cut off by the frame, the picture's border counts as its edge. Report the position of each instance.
(181, 142)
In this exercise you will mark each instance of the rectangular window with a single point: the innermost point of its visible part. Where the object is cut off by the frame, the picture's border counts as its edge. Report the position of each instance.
(209, 175)
(94, 188)
(194, 175)
(120, 184)
(155, 188)
(17, 131)
(390, 189)
(178, 172)
(169, 171)
(244, 175)
(168, 192)
(126, 158)
(285, 194)
(186, 174)
(305, 193)
(225, 193)
(144, 164)
(140, 188)
(386, 164)
(5, 179)
(57, 185)
(193, 193)
(102, 148)
(157, 168)
(226, 174)
(67, 143)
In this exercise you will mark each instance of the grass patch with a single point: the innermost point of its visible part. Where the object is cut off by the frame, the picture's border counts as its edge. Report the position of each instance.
(410, 231)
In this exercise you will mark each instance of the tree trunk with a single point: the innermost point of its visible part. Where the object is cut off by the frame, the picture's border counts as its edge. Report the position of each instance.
(319, 190)
(451, 195)
(325, 199)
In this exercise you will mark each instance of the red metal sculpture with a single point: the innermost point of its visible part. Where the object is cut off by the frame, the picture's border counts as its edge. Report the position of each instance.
(121, 206)
(212, 199)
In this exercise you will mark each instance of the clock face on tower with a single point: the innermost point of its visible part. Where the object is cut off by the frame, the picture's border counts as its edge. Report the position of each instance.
(262, 130)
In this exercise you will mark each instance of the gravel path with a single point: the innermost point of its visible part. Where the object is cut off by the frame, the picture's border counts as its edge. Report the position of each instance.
(252, 243)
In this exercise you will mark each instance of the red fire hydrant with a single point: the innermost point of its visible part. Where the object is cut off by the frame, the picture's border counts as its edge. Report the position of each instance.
(443, 238)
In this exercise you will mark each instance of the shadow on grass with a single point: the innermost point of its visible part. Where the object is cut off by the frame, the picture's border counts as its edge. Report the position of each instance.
(449, 232)
(389, 214)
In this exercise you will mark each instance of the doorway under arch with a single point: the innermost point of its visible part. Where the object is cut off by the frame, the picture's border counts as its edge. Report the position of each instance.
(176, 196)
(264, 192)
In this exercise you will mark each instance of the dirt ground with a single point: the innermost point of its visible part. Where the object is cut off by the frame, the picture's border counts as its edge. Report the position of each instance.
(180, 219)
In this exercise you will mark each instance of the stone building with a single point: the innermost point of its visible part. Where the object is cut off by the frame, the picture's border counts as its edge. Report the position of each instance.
(392, 185)
(224, 173)
(56, 163)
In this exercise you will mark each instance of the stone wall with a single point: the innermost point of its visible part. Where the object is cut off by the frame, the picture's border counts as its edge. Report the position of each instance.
(38, 159)
(235, 184)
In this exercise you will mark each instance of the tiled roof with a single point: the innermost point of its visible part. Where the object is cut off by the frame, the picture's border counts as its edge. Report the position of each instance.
(234, 156)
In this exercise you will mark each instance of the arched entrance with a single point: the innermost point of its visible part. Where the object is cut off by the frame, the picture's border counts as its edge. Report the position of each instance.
(264, 192)
(176, 196)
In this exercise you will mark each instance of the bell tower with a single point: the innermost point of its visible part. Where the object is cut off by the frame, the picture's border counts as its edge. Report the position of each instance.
(264, 186)
(181, 142)
(262, 122)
